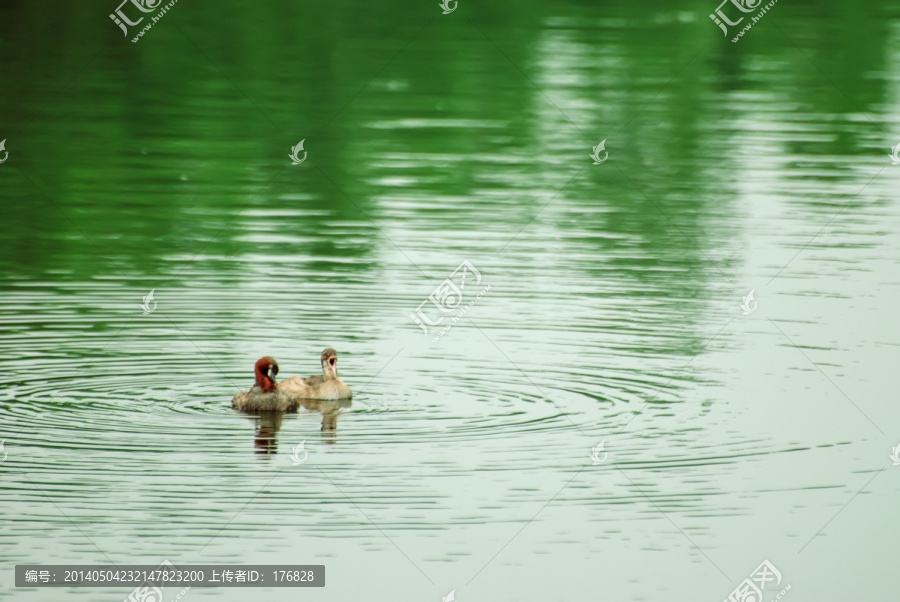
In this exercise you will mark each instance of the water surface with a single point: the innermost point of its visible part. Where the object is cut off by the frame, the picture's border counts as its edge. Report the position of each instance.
(613, 312)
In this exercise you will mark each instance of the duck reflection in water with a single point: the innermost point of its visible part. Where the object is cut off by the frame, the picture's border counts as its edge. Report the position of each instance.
(267, 424)
(330, 409)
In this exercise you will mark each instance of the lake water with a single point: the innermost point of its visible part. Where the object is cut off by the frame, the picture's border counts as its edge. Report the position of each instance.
(610, 308)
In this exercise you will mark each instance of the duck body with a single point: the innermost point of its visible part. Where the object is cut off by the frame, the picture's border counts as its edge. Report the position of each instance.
(257, 400)
(327, 387)
(315, 387)
(266, 395)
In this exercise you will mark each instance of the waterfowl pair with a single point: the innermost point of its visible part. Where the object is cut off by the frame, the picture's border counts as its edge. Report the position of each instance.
(268, 395)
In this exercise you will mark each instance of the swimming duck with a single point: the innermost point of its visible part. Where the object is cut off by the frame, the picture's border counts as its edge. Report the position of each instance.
(265, 395)
(327, 386)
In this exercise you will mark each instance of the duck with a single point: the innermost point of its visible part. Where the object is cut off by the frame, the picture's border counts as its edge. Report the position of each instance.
(266, 395)
(325, 387)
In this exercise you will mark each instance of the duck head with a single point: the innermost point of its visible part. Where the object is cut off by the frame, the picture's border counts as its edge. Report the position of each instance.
(329, 364)
(266, 369)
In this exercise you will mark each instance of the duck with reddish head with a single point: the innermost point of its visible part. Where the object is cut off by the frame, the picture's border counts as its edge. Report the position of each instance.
(325, 387)
(266, 395)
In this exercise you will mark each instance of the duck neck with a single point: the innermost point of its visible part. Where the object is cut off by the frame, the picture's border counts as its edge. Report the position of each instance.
(326, 371)
(264, 382)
